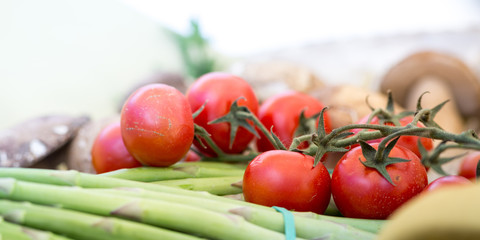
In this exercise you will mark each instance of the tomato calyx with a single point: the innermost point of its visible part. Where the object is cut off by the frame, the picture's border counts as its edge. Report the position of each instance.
(306, 125)
(321, 142)
(433, 160)
(387, 115)
(426, 116)
(379, 159)
(238, 116)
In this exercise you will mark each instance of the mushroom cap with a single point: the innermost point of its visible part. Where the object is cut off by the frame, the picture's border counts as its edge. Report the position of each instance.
(464, 84)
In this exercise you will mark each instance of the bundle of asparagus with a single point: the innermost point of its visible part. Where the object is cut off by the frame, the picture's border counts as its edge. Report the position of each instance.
(87, 206)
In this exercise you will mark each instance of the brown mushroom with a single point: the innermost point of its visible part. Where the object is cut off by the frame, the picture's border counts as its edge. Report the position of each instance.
(445, 77)
(33, 142)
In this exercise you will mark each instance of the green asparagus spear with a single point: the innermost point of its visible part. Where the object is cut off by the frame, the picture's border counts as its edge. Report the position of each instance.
(10, 235)
(19, 232)
(150, 174)
(219, 165)
(214, 185)
(179, 217)
(81, 225)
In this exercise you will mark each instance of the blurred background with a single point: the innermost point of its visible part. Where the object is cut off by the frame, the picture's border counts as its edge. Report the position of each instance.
(83, 57)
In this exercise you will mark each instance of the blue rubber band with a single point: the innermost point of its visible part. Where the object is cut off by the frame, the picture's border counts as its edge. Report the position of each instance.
(288, 221)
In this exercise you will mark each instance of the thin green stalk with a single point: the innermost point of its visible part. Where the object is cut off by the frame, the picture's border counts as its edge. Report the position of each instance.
(221, 156)
(298, 140)
(86, 180)
(214, 185)
(380, 130)
(80, 225)
(262, 128)
(203, 134)
(308, 225)
(19, 232)
(175, 216)
(218, 165)
(151, 174)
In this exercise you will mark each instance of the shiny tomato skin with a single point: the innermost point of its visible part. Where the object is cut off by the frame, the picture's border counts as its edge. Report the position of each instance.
(409, 142)
(468, 166)
(447, 181)
(109, 152)
(157, 125)
(287, 179)
(282, 111)
(218, 91)
(361, 192)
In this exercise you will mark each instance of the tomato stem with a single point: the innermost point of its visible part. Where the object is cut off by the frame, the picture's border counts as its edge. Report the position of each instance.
(298, 140)
(202, 134)
(341, 138)
(268, 134)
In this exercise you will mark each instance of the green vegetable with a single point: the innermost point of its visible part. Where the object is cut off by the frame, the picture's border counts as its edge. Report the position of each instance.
(18, 232)
(219, 165)
(306, 227)
(213, 185)
(74, 178)
(150, 174)
(179, 217)
(82, 225)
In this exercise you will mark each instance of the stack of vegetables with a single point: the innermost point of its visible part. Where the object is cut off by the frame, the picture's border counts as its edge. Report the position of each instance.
(214, 164)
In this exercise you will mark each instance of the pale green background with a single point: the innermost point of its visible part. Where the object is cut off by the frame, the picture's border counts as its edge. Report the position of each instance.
(75, 57)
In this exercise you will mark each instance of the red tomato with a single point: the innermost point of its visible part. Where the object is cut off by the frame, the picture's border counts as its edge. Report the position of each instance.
(361, 192)
(192, 157)
(282, 111)
(468, 167)
(287, 179)
(157, 125)
(445, 181)
(218, 91)
(109, 152)
(410, 142)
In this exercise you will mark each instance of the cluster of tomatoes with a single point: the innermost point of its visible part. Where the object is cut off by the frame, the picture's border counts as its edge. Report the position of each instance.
(157, 129)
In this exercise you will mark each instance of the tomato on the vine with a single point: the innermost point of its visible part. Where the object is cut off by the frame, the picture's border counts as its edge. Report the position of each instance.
(218, 91)
(109, 152)
(468, 166)
(287, 179)
(282, 111)
(362, 192)
(157, 125)
(446, 181)
(410, 142)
